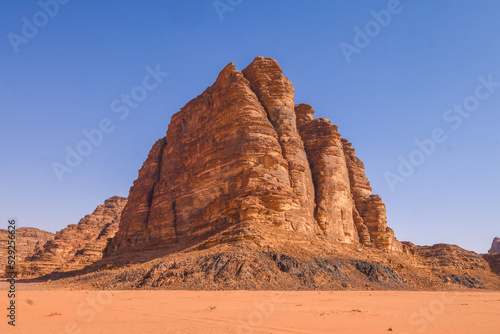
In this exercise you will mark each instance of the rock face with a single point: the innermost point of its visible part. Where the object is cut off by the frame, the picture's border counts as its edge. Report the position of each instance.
(334, 201)
(28, 241)
(77, 245)
(493, 256)
(295, 261)
(495, 246)
(493, 260)
(244, 154)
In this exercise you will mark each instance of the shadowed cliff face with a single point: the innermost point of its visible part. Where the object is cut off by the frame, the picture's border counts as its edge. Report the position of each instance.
(493, 256)
(495, 246)
(244, 153)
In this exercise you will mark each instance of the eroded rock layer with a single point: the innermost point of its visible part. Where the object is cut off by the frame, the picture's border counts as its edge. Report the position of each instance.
(243, 153)
(287, 260)
(28, 240)
(334, 201)
(77, 245)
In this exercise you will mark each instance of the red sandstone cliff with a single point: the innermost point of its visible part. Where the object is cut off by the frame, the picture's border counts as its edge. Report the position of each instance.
(244, 153)
(29, 240)
(249, 191)
(77, 245)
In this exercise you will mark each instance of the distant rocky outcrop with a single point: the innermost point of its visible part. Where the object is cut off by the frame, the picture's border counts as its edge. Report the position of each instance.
(493, 256)
(243, 153)
(494, 261)
(495, 246)
(77, 245)
(28, 241)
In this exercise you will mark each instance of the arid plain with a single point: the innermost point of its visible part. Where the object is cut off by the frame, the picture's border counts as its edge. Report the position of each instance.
(43, 310)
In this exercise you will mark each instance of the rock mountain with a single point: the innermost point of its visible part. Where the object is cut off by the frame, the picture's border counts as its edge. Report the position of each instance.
(244, 154)
(28, 241)
(248, 190)
(77, 245)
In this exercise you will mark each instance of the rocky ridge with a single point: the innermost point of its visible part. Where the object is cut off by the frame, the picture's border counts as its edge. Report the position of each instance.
(293, 261)
(77, 245)
(28, 241)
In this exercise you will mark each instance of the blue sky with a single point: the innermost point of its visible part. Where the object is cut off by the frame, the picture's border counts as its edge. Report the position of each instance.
(428, 57)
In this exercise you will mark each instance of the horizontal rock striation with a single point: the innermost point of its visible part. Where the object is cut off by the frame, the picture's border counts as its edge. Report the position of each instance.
(243, 153)
(77, 245)
(334, 201)
(28, 240)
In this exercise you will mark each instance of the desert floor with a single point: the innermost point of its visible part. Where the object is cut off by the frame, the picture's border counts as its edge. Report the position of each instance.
(41, 310)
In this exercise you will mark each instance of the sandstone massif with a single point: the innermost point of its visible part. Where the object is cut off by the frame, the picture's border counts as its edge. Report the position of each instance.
(28, 241)
(244, 154)
(77, 245)
(248, 190)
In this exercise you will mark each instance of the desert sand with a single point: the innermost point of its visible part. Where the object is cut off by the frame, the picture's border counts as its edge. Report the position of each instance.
(42, 310)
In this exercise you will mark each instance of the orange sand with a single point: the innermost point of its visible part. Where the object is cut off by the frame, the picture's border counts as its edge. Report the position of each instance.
(63, 311)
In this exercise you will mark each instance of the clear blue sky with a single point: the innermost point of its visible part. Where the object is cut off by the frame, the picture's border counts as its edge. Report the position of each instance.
(395, 90)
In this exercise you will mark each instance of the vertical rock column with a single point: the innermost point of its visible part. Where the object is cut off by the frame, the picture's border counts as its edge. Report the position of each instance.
(133, 228)
(222, 166)
(334, 201)
(371, 214)
(375, 219)
(275, 92)
(360, 190)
